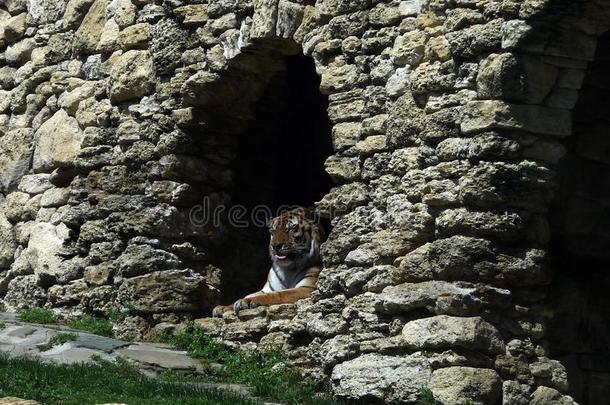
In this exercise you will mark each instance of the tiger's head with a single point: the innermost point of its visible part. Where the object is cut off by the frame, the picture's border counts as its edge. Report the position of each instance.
(295, 238)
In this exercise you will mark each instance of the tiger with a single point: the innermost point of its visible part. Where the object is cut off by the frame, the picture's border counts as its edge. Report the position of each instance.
(294, 248)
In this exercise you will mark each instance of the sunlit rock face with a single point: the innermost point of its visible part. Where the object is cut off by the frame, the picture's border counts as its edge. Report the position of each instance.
(465, 146)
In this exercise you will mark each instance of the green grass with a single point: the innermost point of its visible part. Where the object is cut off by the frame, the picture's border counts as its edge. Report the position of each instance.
(38, 315)
(2, 325)
(58, 339)
(256, 370)
(88, 323)
(102, 383)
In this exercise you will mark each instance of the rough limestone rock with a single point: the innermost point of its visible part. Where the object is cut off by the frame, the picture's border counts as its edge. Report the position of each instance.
(464, 385)
(550, 396)
(167, 43)
(483, 115)
(139, 259)
(551, 373)
(16, 150)
(45, 11)
(75, 12)
(25, 292)
(167, 291)
(7, 242)
(57, 142)
(123, 12)
(448, 331)
(44, 247)
(70, 294)
(378, 377)
(88, 33)
(264, 19)
(131, 76)
(35, 183)
(441, 297)
(515, 393)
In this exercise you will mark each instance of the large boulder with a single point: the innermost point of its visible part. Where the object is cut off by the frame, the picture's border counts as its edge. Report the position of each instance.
(466, 386)
(379, 377)
(167, 291)
(57, 142)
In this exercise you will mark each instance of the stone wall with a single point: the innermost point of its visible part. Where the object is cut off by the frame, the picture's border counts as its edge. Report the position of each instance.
(449, 120)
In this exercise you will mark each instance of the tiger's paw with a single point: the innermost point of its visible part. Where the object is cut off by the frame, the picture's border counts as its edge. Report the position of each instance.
(244, 303)
(219, 310)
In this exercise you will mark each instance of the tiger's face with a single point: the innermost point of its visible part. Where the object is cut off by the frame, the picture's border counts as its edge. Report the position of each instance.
(294, 237)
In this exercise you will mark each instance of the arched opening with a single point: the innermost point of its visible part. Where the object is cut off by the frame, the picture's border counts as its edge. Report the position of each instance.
(579, 333)
(278, 161)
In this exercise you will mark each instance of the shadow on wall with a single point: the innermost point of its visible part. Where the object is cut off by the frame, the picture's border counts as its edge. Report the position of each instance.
(579, 333)
(279, 161)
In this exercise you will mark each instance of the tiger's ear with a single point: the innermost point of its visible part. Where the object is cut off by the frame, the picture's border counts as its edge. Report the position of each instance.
(311, 214)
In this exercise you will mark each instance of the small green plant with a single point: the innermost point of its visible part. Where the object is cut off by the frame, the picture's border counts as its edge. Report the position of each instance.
(2, 326)
(426, 397)
(116, 316)
(95, 325)
(38, 315)
(59, 339)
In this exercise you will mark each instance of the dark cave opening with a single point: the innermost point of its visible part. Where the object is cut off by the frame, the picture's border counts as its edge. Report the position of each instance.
(279, 161)
(579, 333)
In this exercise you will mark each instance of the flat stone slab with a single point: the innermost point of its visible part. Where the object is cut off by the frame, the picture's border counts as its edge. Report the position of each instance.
(153, 357)
(67, 353)
(24, 340)
(8, 317)
(101, 343)
(20, 332)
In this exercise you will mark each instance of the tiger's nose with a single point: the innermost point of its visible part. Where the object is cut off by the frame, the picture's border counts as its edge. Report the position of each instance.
(278, 246)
